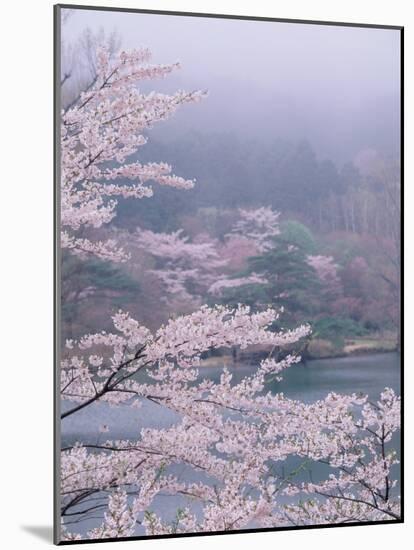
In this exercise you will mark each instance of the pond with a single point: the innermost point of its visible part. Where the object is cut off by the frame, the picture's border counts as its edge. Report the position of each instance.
(308, 382)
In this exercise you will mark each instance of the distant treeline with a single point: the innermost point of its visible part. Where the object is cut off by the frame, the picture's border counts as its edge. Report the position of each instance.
(356, 197)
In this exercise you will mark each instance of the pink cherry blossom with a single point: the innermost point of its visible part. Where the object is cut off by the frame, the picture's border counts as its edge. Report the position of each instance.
(98, 134)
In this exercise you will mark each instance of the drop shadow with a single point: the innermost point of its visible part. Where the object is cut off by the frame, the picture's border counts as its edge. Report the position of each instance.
(43, 532)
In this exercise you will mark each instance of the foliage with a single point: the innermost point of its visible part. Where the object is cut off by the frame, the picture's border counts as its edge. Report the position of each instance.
(98, 133)
(336, 329)
(291, 281)
(89, 280)
(299, 235)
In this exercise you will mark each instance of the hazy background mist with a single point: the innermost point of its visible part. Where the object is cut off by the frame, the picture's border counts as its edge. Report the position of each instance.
(337, 87)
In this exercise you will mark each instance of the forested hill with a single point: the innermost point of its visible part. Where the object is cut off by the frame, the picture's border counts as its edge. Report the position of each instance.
(288, 176)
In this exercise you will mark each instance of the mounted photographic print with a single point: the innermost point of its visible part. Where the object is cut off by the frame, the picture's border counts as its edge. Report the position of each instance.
(228, 274)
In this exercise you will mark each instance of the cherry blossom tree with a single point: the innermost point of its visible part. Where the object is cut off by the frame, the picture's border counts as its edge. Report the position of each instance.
(259, 225)
(98, 134)
(331, 291)
(327, 272)
(276, 270)
(256, 229)
(200, 264)
(236, 435)
(181, 262)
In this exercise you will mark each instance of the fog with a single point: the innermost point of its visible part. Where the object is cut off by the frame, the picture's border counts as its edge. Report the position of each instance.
(337, 87)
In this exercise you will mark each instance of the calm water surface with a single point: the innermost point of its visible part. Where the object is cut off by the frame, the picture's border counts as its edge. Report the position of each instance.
(366, 374)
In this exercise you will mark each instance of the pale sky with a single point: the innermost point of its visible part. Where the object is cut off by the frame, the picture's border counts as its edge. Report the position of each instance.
(274, 79)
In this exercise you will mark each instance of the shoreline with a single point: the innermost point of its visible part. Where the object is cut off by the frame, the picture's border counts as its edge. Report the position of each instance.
(316, 350)
(356, 353)
(325, 349)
